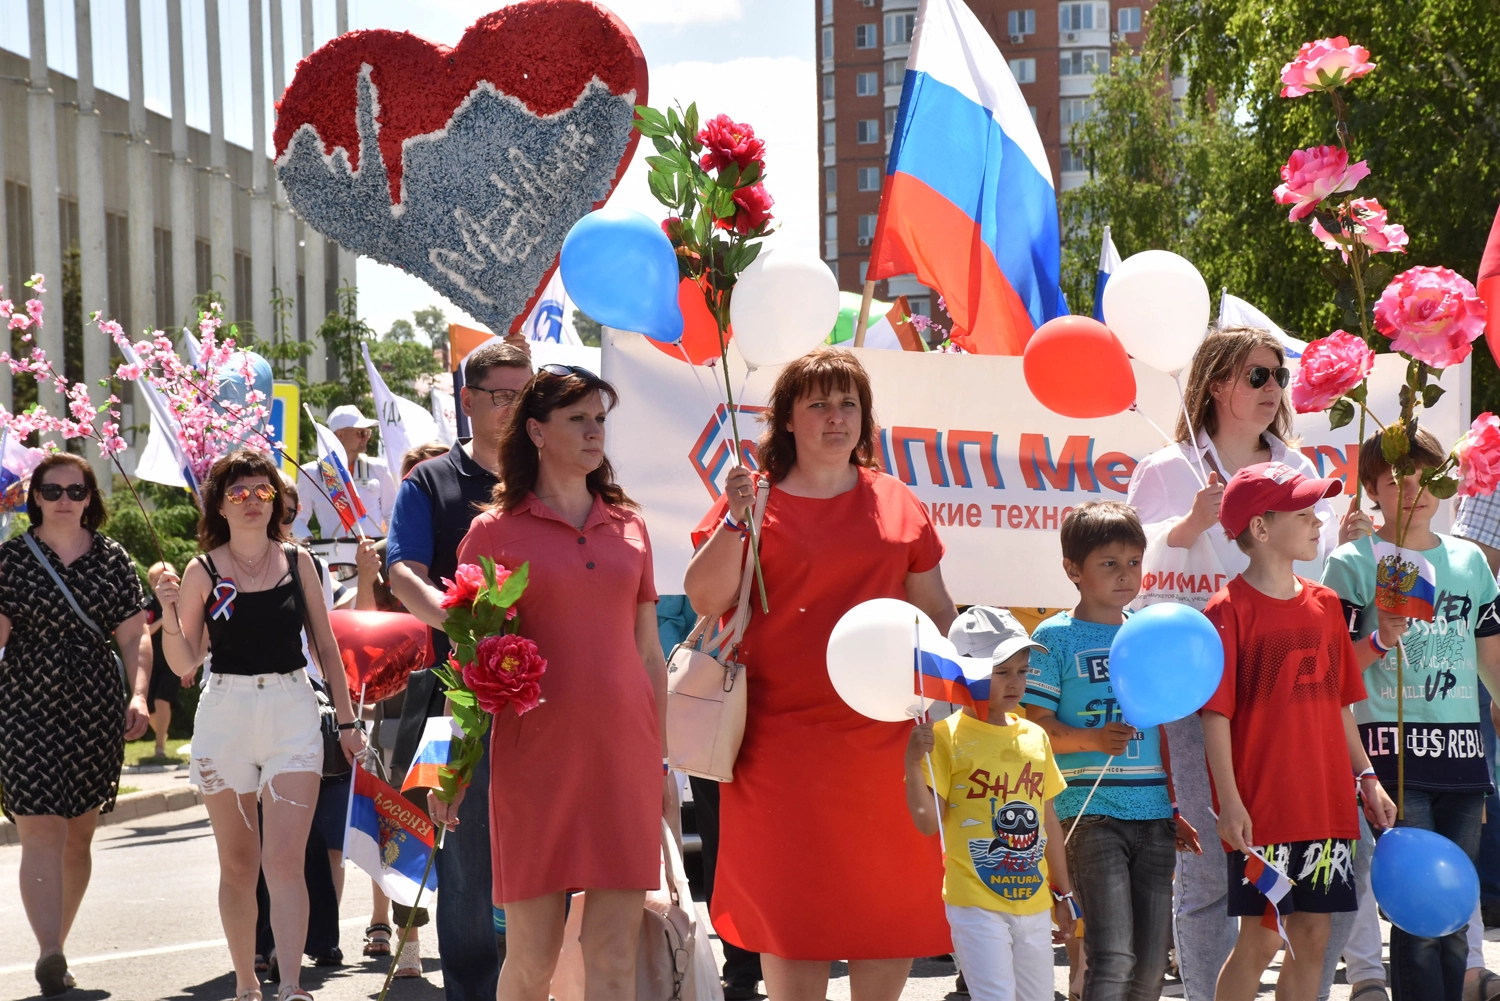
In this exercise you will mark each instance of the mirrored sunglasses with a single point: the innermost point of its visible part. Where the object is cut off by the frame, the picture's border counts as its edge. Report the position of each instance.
(1259, 375)
(239, 493)
(53, 492)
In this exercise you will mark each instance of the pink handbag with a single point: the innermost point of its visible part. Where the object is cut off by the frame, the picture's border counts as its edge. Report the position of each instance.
(706, 696)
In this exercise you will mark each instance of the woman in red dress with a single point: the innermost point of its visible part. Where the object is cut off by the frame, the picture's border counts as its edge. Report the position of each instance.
(818, 859)
(576, 785)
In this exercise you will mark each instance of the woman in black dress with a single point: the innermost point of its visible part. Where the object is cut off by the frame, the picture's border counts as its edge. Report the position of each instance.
(65, 713)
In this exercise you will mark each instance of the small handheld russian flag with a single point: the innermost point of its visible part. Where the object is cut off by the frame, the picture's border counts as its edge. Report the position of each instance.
(1405, 583)
(942, 678)
(1275, 885)
(433, 753)
(390, 839)
(1109, 260)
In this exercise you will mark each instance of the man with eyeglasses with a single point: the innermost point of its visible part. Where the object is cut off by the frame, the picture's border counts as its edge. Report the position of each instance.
(371, 475)
(434, 506)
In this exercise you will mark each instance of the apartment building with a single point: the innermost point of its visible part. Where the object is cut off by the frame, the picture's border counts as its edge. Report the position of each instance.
(1055, 52)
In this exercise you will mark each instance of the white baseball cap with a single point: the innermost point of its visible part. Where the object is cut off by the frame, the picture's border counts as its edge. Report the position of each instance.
(348, 416)
(982, 631)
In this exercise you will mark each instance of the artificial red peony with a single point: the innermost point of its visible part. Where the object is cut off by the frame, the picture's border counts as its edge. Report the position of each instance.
(468, 581)
(1311, 175)
(754, 210)
(506, 672)
(1431, 314)
(728, 141)
(1331, 366)
(1370, 228)
(1325, 64)
(1478, 455)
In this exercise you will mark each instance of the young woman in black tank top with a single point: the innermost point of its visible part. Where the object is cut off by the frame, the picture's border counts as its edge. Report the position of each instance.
(257, 732)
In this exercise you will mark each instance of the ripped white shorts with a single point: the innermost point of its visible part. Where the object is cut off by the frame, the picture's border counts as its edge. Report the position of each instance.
(251, 728)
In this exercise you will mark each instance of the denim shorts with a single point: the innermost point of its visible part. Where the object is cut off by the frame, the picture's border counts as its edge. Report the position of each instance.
(1321, 871)
(251, 728)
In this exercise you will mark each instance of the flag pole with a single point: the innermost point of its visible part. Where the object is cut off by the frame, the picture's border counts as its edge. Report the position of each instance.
(359, 713)
(864, 317)
(920, 709)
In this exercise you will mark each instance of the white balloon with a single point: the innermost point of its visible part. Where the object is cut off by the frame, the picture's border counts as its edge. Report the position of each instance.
(784, 305)
(870, 657)
(1157, 304)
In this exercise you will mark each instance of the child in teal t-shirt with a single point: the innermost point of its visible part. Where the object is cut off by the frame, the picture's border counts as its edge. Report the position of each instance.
(1124, 848)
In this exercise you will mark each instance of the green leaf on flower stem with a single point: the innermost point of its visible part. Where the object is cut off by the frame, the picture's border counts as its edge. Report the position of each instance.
(690, 120)
(515, 586)
(1377, 276)
(1330, 222)
(488, 566)
(662, 188)
(1341, 413)
(723, 203)
(464, 652)
(663, 145)
(461, 696)
(1431, 394)
(750, 175)
(1394, 445)
(1335, 272)
(1358, 393)
(1414, 373)
(729, 175)
(665, 164)
(1443, 487)
(467, 716)
(674, 123)
(649, 121)
(701, 223)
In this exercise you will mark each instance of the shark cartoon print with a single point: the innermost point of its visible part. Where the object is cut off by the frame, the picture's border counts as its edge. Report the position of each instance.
(1009, 863)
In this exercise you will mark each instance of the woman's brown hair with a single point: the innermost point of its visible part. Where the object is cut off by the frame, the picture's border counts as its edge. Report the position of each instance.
(418, 454)
(93, 515)
(241, 464)
(519, 458)
(1218, 360)
(824, 370)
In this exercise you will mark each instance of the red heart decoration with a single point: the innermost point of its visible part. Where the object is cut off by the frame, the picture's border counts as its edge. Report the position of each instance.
(380, 650)
(543, 53)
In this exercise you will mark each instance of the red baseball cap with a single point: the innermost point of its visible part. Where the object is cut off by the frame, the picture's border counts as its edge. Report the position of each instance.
(1269, 486)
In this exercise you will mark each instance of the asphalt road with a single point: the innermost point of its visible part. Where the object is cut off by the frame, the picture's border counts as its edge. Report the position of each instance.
(149, 929)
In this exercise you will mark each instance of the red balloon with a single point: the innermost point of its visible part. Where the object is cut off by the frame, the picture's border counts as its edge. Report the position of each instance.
(380, 649)
(1076, 367)
(700, 333)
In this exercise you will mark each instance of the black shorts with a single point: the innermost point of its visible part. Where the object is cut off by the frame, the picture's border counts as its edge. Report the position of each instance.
(1322, 875)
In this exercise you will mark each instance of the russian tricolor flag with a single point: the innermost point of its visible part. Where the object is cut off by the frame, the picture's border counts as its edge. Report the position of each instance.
(337, 483)
(1109, 260)
(968, 203)
(1405, 583)
(390, 839)
(1274, 885)
(433, 754)
(943, 678)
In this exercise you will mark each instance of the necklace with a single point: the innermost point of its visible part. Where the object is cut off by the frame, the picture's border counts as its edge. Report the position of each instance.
(251, 576)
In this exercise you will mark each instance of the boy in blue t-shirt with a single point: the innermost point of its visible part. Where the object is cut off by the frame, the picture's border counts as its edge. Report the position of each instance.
(1123, 850)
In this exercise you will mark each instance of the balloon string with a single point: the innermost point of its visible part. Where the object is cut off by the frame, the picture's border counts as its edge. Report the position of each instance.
(711, 399)
(1192, 434)
(1088, 798)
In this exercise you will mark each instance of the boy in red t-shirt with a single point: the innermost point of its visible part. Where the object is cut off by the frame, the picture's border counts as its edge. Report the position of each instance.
(1283, 750)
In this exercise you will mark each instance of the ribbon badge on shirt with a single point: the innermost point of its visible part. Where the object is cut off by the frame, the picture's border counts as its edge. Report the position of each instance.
(222, 606)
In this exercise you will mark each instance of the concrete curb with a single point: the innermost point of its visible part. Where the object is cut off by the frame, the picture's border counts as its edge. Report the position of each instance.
(131, 806)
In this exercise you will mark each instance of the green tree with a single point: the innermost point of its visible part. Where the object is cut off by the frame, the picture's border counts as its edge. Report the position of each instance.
(343, 332)
(1427, 120)
(401, 331)
(434, 324)
(589, 331)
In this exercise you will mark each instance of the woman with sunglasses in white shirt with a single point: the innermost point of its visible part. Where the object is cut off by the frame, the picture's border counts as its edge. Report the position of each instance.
(256, 733)
(1237, 413)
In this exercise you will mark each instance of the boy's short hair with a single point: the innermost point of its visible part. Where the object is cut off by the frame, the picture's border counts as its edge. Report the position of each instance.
(1097, 524)
(1426, 452)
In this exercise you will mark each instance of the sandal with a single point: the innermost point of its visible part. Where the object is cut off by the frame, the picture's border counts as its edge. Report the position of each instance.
(262, 965)
(290, 993)
(51, 974)
(1370, 990)
(251, 995)
(375, 946)
(1483, 987)
(409, 962)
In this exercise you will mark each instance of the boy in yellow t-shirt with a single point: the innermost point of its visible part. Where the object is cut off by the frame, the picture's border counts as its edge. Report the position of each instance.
(996, 782)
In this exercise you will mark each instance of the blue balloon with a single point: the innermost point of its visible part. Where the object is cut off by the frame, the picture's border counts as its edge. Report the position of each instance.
(1425, 883)
(1165, 663)
(619, 267)
(232, 388)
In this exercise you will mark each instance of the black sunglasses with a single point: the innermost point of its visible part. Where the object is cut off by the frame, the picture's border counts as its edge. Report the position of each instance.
(563, 371)
(1260, 374)
(52, 492)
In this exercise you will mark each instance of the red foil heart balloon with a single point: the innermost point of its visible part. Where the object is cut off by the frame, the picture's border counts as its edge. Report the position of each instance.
(465, 166)
(380, 650)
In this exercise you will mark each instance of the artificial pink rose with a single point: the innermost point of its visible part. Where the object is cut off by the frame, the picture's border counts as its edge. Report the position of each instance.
(1431, 314)
(753, 210)
(1370, 228)
(1324, 65)
(727, 142)
(1478, 455)
(506, 671)
(467, 582)
(1331, 366)
(1311, 175)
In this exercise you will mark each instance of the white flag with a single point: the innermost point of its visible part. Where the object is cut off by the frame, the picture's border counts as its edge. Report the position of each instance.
(445, 415)
(548, 322)
(1236, 312)
(402, 422)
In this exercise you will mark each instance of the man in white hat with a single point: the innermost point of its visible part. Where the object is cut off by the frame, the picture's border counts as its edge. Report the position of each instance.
(372, 480)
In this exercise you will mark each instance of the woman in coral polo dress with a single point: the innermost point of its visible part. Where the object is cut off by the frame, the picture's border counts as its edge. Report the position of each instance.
(576, 784)
(818, 857)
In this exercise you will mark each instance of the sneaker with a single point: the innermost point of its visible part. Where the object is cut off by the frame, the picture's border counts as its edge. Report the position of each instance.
(739, 992)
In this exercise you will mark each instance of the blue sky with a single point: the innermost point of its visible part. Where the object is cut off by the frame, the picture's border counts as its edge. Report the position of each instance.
(751, 59)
